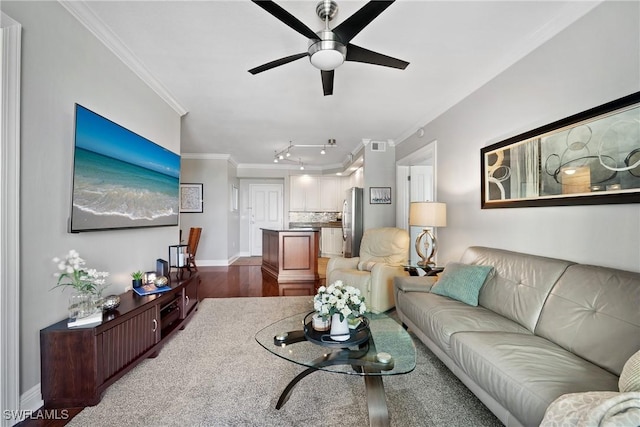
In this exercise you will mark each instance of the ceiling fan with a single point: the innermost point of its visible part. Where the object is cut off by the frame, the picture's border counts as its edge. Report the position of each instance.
(328, 49)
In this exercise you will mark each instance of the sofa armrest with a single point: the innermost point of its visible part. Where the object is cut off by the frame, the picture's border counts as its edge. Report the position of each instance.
(415, 283)
(340, 263)
(382, 296)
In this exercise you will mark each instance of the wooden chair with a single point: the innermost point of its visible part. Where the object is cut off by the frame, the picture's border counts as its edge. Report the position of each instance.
(192, 247)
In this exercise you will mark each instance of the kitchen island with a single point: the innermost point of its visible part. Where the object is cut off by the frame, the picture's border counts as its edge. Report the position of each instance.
(290, 259)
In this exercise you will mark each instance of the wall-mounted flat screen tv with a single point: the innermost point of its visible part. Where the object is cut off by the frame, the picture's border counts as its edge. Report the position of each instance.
(120, 179)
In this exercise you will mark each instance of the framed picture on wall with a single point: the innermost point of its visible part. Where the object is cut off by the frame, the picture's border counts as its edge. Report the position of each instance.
(592, 157)
(234, 198)
(380, 195)
(191, 198)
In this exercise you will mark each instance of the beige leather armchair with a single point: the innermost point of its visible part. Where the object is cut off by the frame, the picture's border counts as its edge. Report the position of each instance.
(383, 252)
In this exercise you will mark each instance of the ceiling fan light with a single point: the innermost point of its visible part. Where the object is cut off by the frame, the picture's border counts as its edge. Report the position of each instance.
(327, 60)
(328, 53)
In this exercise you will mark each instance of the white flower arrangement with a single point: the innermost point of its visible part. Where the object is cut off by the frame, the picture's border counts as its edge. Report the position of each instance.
(339, 299)
(83, 280)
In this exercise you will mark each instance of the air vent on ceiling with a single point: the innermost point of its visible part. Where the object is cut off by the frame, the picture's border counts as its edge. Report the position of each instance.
(378, 146)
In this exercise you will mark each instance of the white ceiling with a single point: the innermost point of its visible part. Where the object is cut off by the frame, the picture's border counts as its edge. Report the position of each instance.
(196, 55)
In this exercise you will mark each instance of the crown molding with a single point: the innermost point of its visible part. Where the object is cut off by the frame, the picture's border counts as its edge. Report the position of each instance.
(80, 10)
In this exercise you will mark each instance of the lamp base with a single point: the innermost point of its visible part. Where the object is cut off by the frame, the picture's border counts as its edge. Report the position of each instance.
(426, 250)
(426, 264)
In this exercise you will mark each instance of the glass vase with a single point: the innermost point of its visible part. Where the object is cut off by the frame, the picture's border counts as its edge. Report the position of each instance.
(81, 305)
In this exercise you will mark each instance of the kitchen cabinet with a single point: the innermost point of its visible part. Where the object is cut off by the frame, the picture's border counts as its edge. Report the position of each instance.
(315, 193)
(303, 193)
(331, 241)
(290, 261)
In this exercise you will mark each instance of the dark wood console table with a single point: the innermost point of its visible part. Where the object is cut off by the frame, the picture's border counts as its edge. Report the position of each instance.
(77, 365)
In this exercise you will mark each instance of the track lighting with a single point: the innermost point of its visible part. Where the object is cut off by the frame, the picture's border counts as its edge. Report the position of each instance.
(285, 154)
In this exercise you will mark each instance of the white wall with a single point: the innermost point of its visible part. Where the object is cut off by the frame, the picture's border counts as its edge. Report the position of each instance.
(62, 63)
(594, 61)
(379, 171)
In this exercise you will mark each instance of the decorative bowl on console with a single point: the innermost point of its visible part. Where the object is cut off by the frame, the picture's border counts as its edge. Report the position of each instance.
(111, 302)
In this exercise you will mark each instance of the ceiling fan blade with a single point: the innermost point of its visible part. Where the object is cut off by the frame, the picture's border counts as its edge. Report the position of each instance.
(350, 27)
(360, 54)
(277, 63)
(287, 18)
(327, 82)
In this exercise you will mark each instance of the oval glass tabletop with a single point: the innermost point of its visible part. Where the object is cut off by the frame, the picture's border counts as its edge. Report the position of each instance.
(286, 338)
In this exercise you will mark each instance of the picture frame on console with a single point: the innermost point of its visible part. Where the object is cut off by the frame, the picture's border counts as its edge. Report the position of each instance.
(191, 198)
(592, 157)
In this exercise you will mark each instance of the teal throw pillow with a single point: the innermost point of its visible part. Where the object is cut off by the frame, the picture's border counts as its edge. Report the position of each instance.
(462, 282)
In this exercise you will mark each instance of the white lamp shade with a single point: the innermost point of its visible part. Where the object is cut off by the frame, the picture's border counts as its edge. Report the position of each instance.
(428, 214)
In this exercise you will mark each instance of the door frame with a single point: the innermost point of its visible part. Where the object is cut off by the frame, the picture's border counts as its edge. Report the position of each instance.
(425, 156)
(10, 42)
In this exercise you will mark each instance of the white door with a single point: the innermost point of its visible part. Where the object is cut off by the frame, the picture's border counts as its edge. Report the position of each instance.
(416, 182)
(420, 190)
(266, 212)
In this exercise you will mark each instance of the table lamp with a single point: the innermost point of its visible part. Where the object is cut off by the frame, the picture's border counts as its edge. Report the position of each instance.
(427, 214)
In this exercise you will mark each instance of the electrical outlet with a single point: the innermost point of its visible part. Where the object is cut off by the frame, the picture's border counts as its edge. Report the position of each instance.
(128, 288)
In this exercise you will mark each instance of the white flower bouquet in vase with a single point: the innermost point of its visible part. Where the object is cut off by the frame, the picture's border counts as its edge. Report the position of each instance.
(344, 305)
(85, 305)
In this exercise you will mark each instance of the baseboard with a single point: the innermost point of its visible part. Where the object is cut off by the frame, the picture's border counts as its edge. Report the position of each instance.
(212, 262)
(31, 400)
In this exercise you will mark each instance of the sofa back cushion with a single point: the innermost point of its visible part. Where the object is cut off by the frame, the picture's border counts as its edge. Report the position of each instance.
(594, 312)
(520, 283)
(387, 245)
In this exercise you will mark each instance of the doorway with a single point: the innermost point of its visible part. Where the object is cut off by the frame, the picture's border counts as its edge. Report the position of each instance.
(266, 212)
(416, 182)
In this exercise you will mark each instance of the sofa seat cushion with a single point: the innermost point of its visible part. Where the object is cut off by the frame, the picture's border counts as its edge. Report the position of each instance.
(526, 372)
(440, 317)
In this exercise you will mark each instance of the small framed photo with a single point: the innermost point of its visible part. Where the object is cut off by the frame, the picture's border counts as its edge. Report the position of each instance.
(234, 198)
(191, 198)
(380, 195)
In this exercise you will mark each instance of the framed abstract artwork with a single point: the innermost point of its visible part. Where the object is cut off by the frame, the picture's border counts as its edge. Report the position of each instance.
(589, 158)
(191, 198)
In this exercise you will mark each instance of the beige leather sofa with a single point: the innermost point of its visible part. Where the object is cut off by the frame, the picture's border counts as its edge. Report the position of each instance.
(383, 252)
(543, 328)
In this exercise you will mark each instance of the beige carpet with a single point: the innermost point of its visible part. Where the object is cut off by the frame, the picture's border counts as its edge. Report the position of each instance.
(214, 373)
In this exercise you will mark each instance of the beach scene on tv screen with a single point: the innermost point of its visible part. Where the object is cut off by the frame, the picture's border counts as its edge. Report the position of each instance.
(121, 180)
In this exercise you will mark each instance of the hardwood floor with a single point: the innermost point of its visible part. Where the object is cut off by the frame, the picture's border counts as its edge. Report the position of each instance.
(241, 280)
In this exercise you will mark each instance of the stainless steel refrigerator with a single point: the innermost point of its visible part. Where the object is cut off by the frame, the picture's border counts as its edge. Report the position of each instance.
(352, 222)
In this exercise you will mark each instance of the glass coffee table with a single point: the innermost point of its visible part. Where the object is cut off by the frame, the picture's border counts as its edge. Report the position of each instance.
(379, 347)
